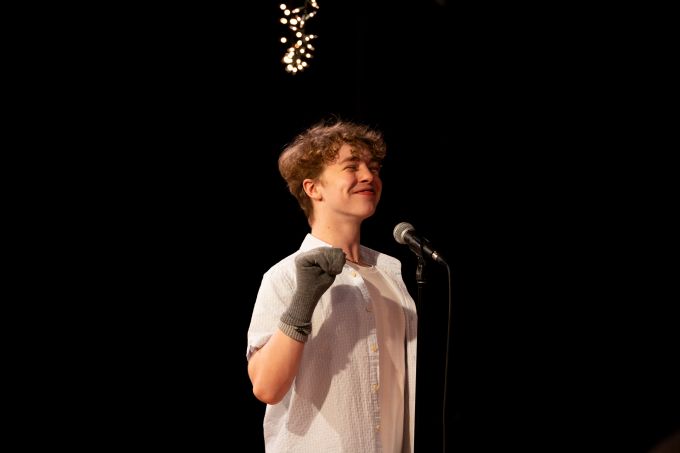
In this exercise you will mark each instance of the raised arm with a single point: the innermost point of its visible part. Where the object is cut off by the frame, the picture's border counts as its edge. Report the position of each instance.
(273, 367)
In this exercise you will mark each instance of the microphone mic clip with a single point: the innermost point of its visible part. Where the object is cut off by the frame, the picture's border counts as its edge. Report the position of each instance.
(404, 233)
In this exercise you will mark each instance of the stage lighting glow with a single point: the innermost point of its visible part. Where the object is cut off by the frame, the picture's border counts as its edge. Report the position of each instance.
(297, 55)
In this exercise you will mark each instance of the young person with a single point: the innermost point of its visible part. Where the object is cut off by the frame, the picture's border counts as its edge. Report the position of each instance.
(332, 339)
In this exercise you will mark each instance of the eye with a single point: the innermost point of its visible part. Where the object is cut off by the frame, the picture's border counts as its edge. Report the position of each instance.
(351, 167)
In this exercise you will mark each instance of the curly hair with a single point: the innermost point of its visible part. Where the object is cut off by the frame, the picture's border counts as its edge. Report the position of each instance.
(308, 154)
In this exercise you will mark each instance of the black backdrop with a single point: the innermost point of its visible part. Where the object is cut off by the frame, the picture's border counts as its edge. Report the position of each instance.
(561, 334)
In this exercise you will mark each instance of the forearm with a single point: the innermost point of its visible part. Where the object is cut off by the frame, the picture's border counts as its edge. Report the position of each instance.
(273, 368)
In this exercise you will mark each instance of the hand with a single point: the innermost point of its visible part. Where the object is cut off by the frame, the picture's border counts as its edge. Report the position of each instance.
(316, 270)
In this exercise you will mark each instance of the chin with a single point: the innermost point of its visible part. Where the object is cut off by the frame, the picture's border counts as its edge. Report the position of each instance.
(365, 215)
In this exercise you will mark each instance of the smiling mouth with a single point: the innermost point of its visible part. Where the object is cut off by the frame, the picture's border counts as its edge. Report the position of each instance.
(366, 190)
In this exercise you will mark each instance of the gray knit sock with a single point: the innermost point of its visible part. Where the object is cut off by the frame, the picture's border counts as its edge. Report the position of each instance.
(316, 270)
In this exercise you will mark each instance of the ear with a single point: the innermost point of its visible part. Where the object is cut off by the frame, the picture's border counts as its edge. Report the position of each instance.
(311, 189)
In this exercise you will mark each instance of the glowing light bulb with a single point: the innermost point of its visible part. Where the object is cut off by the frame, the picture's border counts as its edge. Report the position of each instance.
(301, 49)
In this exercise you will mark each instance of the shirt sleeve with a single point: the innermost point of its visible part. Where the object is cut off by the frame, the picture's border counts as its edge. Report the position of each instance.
(273, 297)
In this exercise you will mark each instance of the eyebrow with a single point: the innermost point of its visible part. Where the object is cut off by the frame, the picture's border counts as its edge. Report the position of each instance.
(357, 159)
(349, 159)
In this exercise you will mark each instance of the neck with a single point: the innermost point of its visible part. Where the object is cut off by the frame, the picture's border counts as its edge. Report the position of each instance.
(353, 261)
(346, 236)
(358, 262)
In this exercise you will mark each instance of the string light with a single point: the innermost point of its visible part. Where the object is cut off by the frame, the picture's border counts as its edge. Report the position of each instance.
(300, 51)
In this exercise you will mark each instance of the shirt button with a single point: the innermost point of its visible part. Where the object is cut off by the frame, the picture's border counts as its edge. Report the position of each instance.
(377, 428)
(375, 387)
(374, 348)
(354, 274)
(369, 308)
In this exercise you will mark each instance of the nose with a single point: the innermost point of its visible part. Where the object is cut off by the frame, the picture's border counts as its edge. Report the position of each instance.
(365, 173)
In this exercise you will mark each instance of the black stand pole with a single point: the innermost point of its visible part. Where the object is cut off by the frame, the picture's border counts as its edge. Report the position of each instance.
(420, 278)
(417, 248)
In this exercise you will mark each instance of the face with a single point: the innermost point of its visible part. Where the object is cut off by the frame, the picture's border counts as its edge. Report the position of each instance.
(348, 187)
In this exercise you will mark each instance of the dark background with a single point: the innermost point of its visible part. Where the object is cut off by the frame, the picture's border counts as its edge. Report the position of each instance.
(504, 150)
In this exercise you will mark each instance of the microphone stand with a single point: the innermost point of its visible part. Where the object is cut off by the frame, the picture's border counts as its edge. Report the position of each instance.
(420, 273)
(420, 278)
(417, 248)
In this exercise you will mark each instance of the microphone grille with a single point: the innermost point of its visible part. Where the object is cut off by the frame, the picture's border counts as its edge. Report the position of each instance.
(399, 231)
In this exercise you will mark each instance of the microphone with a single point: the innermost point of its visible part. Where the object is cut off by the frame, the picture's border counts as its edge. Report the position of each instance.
(404, 233)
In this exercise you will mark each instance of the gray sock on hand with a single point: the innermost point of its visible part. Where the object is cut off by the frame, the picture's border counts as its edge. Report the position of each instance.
(316, 270)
